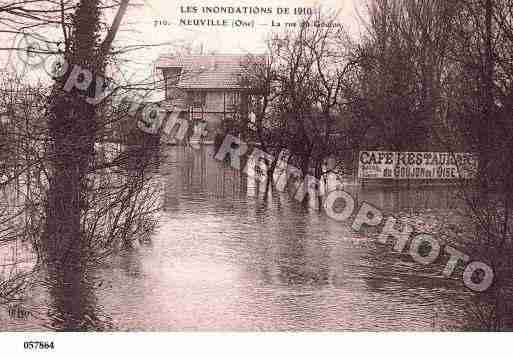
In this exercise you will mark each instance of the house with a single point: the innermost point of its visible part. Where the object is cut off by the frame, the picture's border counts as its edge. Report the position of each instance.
(207, 89)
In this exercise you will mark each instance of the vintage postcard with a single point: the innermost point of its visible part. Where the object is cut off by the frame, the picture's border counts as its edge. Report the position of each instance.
(254, 166)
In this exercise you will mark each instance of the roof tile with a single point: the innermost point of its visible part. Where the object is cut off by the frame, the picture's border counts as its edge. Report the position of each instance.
(206, 71)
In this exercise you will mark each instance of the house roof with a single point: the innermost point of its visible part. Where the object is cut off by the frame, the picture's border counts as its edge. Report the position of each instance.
(205, 71)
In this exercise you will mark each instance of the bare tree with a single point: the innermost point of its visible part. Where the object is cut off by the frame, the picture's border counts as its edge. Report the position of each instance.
(446, 66)
(83, 197)
(302, 87)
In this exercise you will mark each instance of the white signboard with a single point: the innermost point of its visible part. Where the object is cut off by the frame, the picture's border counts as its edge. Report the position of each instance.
(416, 165)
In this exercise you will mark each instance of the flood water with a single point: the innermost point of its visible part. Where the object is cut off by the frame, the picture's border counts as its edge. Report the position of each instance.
(225, 258)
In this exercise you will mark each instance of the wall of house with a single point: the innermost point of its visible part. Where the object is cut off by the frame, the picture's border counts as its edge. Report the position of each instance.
(222, 100)
(214, 102)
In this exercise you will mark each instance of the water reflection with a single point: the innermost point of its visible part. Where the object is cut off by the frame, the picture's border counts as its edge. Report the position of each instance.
(73, 302)
(225, 257)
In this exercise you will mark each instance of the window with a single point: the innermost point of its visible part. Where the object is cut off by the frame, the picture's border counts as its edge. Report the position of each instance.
(232, 98)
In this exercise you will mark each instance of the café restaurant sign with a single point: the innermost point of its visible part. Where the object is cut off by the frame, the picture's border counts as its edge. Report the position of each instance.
(416, 165)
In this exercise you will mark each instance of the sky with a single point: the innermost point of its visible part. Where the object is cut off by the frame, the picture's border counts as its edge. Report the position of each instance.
(157, 22)
(225, 39)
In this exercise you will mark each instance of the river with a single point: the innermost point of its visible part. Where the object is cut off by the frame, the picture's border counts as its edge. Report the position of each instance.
(223, 258)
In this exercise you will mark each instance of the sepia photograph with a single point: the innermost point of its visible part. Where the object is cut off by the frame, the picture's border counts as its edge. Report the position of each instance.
(301, 175)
